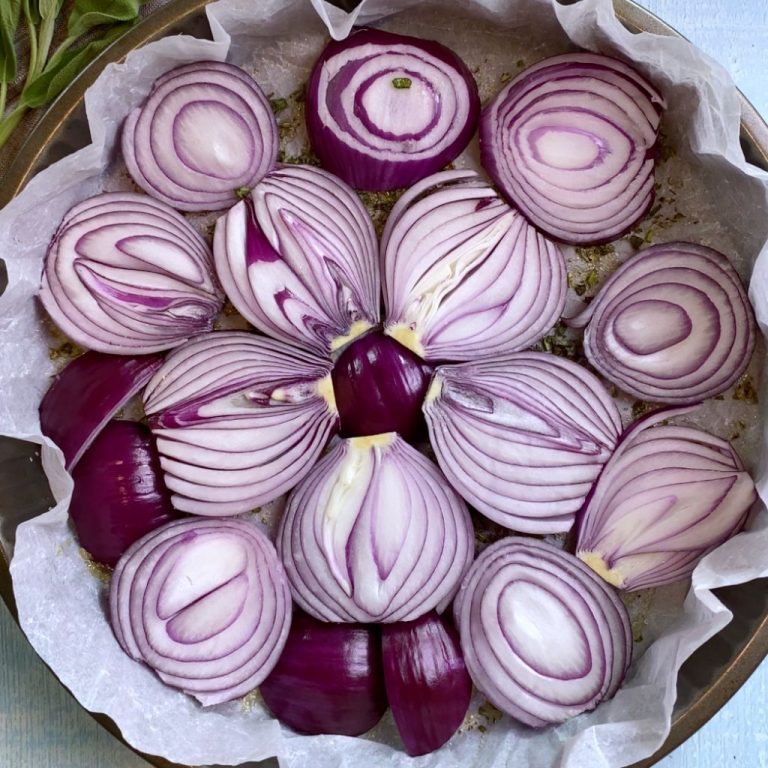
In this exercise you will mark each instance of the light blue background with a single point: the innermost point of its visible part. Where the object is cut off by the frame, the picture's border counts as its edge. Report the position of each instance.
(41, 726)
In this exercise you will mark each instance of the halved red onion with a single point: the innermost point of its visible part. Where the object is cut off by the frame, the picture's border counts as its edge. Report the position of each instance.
(428, 685)
(543, 637)
(119, 495)
(86, 394)
(239, 420)
(298, 259)
(205, 604)
(374, 534)
(522, 438)
(386, 110)
(571, 142)
(465, 276)
(205, 132)
(672, 325)
(126, 274)
(329, 678)
(667, 497)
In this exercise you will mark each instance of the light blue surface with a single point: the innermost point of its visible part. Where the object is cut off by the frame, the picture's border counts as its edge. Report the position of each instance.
(42, 727)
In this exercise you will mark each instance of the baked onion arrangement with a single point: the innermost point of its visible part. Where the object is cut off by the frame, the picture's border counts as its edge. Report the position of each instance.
(389, 387)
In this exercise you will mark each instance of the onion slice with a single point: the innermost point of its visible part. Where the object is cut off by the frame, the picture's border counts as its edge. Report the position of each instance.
(667, 497)
(205, 132)
(119, 495)
(571, 142)
(239, 420)
(465, 276)
(523, 437)
(299, 259)
(386, 110)
(543, 637)
(374, 534)
(328, 679)
(86, 394)
(672, 325)
(428, 685)
(127, 275)
(205, 604)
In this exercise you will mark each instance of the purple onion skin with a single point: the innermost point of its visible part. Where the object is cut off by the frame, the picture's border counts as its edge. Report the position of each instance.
(380, 386)
(358, 169)
(87, 393)
(329, 678)
(119, 494)
(428, 685)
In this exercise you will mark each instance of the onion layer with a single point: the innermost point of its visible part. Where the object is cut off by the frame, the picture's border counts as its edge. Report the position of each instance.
(385, 110)
(239, 420)
(672, 325)
(522, 438)
(205, 132)
(205, 604)
(299, 259)
(374, 534)
(127, 275)
(543, 637)
(465, 276)
(571, 142)
(667, 497)
(87, 394)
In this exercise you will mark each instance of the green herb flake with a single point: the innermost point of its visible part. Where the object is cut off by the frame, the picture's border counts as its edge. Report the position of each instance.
(591, 279)
(594, 254)
(520, 64)
(482, 728)
(379, 205)
(636, 242)
(640, 408)
(648, 235)
(278, 105)
(745, 390)
(243, 192)
(489, 713)
(505, 77)
(402, 83)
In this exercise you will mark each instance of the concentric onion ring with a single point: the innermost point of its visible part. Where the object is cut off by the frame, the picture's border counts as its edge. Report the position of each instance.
(543, 637)
(205, 132)
(522, 438)
(385, 110)
(126, 274)
(239, 420)
(672, 325)
(204, 603)
(571, 142)
(374, 534)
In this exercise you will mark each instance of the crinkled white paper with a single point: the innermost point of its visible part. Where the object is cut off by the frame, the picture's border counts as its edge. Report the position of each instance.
(723, 203)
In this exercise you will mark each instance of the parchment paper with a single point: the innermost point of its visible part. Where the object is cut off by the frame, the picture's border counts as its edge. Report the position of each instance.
(707, 194)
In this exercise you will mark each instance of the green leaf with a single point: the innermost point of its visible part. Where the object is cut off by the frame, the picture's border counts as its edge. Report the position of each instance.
(87, 14)
(49, 9)
(31, 11)
(9, 21)
(63, 67)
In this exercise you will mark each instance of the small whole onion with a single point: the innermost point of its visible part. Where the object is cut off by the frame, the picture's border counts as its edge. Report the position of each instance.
(127, 275)
(205, 604)
(465, 276)
(571, 142)
(298, 259)
(543, 637)
(204, 133)
(523, 437)
(374, 533)
(672, 325)
(386, 110)
(667, 497)
(239, 420)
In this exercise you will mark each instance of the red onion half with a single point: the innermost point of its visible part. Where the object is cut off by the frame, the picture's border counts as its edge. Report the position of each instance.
(205, 132)
(522, 438)
(239, 420)
(299, 259)
(571, 142)
(374, 534)
(667, 497)
(205, 604)
(671, 325)
(543, 637)
(465, 276)
(385, 110)
(126, 274)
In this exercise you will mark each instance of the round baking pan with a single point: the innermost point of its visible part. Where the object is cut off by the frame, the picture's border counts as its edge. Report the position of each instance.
(707, 680)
